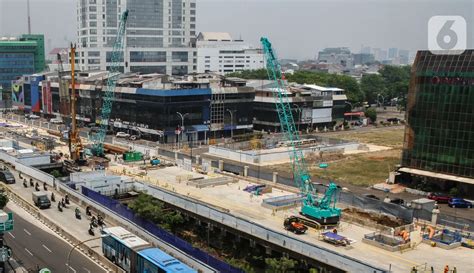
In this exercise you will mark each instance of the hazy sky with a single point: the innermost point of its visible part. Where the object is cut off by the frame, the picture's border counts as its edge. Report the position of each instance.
(297, 28)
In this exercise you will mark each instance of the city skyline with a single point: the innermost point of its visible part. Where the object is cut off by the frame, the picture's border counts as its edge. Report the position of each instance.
(378, 24)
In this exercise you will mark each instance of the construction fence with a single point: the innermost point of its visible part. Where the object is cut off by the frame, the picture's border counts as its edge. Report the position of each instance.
(164, 235)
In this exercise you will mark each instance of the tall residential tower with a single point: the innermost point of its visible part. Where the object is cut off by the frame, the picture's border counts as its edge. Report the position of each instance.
(160, 35)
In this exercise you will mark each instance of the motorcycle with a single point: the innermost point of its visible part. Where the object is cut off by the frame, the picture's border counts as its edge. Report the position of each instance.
(44, 186)
(91, 231)
(88, 211)
(24, 183)
(78, 214)
(60, 207)
(53, 198)
(66, 198)
(94, 222)
(31, 182)
(100, 221)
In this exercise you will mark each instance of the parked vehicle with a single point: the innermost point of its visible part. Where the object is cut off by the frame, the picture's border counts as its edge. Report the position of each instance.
(294, 225)
(56, 120)
(33, 116)
(371, 196)
(134, 137)
(7, 177)
(41, 200)
(122, 135)
(439, 197)
(459, 203)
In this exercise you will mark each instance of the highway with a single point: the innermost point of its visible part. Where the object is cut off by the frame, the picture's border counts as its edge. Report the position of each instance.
(35, 246)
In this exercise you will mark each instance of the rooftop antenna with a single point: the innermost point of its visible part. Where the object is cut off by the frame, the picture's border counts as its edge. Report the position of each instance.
(29, 19)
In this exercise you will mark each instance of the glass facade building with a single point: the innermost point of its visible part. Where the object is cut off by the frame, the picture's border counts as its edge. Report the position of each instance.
(160, 35)
(439, 136)
(22, 56)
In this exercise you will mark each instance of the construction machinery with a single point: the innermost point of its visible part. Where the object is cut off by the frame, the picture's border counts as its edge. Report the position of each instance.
(322, 210)
(113, 75)
(294, 224)
(75, 145)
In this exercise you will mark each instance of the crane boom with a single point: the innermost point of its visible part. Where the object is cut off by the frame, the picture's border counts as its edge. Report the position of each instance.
(319, 210)
(113, 75)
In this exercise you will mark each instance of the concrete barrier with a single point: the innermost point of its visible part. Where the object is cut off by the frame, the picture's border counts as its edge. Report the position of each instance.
(95, 256)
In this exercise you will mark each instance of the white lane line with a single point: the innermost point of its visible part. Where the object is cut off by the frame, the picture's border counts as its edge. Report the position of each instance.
(71, 268)
(29, 252)
(27, 232)
(47, 249)
(13, 236)
(87, 270)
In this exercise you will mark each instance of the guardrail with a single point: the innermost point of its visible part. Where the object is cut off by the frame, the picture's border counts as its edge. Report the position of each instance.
(97, 257)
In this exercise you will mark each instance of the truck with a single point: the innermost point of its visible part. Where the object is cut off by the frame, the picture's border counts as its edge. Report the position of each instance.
(41, 200)
(294, 225)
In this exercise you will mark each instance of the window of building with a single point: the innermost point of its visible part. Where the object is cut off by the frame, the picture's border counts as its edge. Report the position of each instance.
(93, 31)
(94, 54)
(179, 70)
(179, 56)
(94, 61)
(193, 5)
(108, 56)
(149, 69)
(147, 56)
(93, 16)
(92, 24)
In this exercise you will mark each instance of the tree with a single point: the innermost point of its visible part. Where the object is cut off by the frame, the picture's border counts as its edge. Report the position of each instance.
(3, 199)
(282, 265)
(258, 74)
(371, 85)
(371, 113)
(56, 173)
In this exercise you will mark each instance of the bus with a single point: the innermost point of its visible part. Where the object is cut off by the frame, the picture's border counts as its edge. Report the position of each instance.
(135, 255)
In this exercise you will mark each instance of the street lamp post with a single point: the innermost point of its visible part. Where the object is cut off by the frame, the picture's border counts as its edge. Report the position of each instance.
(75, 246)
(182, 126)
(231, 122)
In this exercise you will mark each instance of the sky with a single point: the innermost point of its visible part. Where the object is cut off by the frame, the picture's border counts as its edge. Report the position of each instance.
(297, 28)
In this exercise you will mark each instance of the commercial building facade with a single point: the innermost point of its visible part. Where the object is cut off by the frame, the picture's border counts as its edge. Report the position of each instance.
(20, 56)
(160, 35)
(219, 53)
(439, 137)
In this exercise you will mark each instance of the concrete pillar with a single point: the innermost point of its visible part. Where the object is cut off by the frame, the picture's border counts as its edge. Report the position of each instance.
(434, 215)
(252, 243)
(197, 158)
(175, 155)
(275, 176)
(246, 171)
(221, 165)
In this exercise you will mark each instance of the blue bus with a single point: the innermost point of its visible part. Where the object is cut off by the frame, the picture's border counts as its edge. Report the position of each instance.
(135, 255)
(153, 260)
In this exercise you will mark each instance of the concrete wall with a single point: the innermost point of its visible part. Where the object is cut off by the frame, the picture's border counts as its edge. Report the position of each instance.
(35, 160)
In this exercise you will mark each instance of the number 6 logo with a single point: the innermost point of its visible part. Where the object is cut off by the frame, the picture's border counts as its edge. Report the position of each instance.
(447, 35)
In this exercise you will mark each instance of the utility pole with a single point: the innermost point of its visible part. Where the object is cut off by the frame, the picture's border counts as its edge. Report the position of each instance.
(182, 125)
(29, 18)
(231, 123)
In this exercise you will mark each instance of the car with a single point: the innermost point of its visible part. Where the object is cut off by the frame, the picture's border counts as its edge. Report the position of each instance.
(122, 135)
(459, 203)
(394, 120)
(32, 116)
(7, 177)
(439, 197)
(134, 137)
(56, 121)
(371, 196)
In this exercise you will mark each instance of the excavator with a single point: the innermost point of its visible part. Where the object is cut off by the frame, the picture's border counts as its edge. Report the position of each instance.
(322, 210)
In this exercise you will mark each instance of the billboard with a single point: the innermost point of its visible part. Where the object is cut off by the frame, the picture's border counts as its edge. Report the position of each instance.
(18, 96)
(47, 98)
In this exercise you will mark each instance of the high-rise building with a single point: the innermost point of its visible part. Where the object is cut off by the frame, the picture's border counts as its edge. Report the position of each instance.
(392, 53)
(363, 58)
(20, 56)
(404, 56)
(337, 55)
(218, 52)
(439, 136)
(160, 35)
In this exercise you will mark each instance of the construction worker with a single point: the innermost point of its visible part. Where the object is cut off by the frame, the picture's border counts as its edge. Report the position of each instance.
(414, 270)
(446, 269)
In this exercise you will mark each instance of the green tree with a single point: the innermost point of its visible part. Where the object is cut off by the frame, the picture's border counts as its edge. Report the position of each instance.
(3, 199)
(371, 113)
(56, 173)
(258, 74)
(371, 85)
(396, 79)
(282, 265)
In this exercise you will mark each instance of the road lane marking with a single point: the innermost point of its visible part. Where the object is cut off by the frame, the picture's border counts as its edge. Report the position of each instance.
(9, 233)
(71, 268)
(47, 249)
(27, 232)
(88, 271)
(29, 252)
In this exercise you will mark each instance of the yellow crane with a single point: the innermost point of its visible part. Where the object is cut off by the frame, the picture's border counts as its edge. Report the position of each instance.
(75, 144)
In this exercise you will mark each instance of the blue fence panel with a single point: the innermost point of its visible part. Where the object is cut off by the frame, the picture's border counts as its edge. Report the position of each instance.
(164, 235)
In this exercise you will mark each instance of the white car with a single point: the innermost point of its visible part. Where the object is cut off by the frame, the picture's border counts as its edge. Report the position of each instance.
(33, 116)
(122, 135)
(56, 121)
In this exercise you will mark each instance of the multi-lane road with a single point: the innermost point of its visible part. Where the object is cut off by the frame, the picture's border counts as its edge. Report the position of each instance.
(35, 246)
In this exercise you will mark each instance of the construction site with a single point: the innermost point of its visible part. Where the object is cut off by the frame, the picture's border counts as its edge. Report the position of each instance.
(230, 217)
